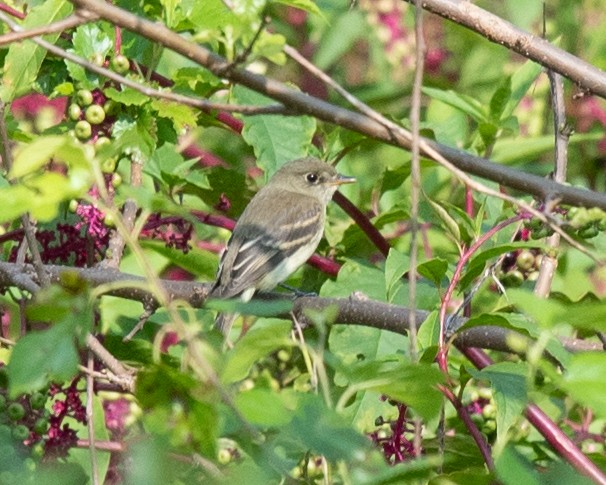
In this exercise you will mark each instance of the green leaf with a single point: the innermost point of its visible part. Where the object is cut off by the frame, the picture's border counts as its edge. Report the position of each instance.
(256, 343)
(510, 392)
(196, 261)
(448, 221)
(413, 384)
(500, 99)
(274, 139)
(521, 81)
(345, 30)
(513, 468)
(327, 433)
(181, 115)
(29, 158)
(41, 197)
(88, 41)
(466, 104)
(263, 407)
(355, 277)
(40, 357)
(584, 381)
(306, 5)
(396, 265)
(24, 59)
(516, 149)
(434, 270)
(127, 96)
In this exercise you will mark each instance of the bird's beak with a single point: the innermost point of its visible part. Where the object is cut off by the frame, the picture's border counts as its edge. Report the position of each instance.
(343, 179)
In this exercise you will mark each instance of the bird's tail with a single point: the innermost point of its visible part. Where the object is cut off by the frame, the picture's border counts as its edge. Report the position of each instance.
(224, 322)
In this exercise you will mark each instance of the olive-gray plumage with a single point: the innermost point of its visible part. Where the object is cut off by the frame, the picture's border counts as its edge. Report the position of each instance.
(278, 231)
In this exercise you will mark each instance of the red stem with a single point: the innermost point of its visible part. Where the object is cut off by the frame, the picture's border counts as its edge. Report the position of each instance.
(561, 443)
(441, 357)
(11, 11)
(471, 426)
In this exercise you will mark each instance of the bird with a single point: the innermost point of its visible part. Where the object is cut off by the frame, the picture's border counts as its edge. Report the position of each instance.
(278, 232)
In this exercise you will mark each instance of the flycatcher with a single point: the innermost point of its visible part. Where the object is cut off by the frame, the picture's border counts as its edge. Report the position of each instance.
(278, 231)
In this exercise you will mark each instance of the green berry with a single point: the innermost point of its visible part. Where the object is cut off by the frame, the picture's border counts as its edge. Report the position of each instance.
(101, 142)
(525, 260)
(572, 212)
(20, 432)
(37, 400)
(485, 393)
(513, 278)
(602, 224)
(84, 97)
(95, 114)
(120, 64)
(108, 220)
(98, 59)
(283, 355)
(489, 411)
(83, 130)
(74, 112)
(490, 426)
(110, 107)
(41, 426)
(15, 411)
(224, 456)
(116, 180)
(108, 165)
(73, 206)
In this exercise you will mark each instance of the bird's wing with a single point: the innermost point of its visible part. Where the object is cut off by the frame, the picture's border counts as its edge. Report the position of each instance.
(252, 253)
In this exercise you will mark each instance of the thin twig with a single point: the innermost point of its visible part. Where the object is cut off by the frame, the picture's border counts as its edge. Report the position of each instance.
(90, 419)
(64, 24)
(415, 192)
(549, 262)
(115, 248)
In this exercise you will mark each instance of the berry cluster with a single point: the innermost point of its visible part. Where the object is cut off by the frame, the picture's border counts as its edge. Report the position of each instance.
(579, 222)
(38, 420)
(519, 266)
(391, 435)
(483, 411)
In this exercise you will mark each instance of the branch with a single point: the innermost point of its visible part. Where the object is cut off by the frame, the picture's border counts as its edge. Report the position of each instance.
(298, 102)
(351, 311)
(501, 32)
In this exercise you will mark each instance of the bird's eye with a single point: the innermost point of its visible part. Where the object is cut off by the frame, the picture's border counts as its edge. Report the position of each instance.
(312, 177)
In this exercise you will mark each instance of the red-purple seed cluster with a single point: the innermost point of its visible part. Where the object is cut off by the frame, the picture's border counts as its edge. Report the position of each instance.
(392, 440)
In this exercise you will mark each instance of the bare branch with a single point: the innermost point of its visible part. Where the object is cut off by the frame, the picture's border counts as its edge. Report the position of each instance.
(533, 47)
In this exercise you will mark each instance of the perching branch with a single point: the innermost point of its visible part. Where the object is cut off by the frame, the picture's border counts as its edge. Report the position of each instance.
(351, 311)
